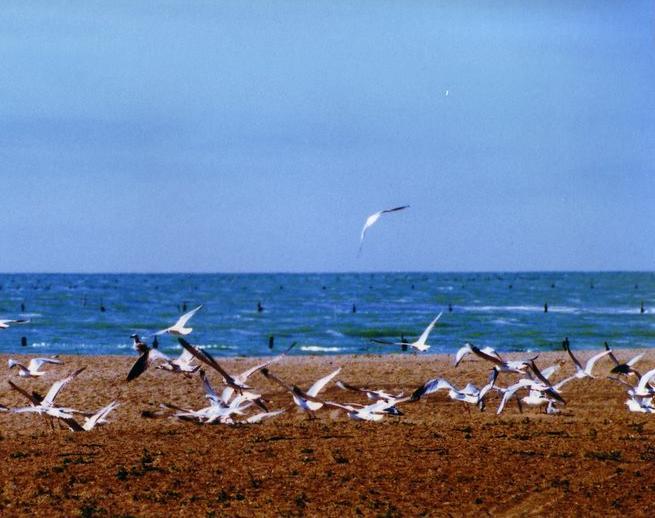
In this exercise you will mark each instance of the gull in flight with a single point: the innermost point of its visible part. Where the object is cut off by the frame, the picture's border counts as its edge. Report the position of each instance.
(623, 368)
(420, 344)
(33, 369)
(4, 324)
(305, 400)
(469, 394)
(375, 395)
(640, 397)
(586, 371)
(373, 412)
(490, 355)
(46, 406)
(178, 328)
(99, 418)
(372, 219)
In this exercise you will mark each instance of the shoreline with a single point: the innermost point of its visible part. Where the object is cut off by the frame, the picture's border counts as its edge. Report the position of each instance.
(439, 458)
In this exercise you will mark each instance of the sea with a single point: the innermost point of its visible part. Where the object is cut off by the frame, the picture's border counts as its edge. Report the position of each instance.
(327, 314)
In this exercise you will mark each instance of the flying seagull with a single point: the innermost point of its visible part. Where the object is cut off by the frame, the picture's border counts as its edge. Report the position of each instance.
(178, 328)
(586, 371)
(420, 344)
(33, 368)
(372, 219)
(4, 324)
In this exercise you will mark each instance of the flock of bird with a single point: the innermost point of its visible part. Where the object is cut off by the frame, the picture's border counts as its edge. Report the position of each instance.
(240, 402)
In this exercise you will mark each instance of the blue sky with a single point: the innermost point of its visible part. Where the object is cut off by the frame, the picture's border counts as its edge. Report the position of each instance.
(238, 137)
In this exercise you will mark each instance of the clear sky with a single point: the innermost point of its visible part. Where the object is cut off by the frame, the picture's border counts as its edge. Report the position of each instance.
(257, 136)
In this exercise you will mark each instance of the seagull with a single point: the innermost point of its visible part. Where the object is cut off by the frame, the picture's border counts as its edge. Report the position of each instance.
(623, 368)
(420, 344)
(375, 395)
(178, 328)
(372, 219)
(46, 405)
(469, 394)
(586, 371)
(182, 364)
(99, 418)
(33, 369)
(4, 324)
(373, 412)
(305, 400)
(490, 355)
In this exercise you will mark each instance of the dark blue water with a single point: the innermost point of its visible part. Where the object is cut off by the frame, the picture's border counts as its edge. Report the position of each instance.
(503, 310)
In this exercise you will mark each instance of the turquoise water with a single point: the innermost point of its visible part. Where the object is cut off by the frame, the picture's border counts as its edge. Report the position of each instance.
(503, 310)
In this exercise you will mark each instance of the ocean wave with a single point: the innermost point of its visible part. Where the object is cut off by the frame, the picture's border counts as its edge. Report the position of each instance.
(320, 349)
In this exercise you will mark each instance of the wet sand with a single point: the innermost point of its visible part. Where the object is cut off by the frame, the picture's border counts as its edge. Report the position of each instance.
(438, 459)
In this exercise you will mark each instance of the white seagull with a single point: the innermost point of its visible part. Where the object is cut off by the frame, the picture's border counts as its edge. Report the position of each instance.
(586, 371)
(33, 369)
(420, 344)
(178, 328)
(305, 400)
(372, 219)
(99, 418)
(4, 324)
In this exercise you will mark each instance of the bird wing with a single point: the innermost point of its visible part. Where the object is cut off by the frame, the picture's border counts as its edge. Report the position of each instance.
(431, 386)
(461, 352)
(385, 211)
(611, 354)
(35, 363)
(264, 415)
(578, 365)
(207, 358)
(209, 390)
(634, 360)
(33, 398)
(139, 366)
(424, 336)
(49, 398)
(181, 322)
(643, 382)
(592, 361)
(318, 386)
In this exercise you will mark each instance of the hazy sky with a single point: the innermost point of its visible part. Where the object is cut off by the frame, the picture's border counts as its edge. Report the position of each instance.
(235, 136)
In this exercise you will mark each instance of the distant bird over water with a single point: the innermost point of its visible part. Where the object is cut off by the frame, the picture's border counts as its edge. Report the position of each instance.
(178, 328)
(372, 219)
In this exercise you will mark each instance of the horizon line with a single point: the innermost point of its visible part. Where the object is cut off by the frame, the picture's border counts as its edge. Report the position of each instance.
(327, 272)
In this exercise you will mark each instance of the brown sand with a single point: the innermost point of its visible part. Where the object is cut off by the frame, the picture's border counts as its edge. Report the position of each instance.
(595, 458)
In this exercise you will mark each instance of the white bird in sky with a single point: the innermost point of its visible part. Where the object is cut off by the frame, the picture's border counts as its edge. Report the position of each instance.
(178, 328)
(420, 344)
(372, 219)
(33, 368)
(4, 324)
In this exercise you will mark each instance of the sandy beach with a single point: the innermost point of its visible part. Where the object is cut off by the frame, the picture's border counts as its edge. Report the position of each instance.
(438, 459)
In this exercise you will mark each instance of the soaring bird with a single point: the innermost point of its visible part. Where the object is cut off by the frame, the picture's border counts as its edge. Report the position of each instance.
(372, 219)
(178, 328)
